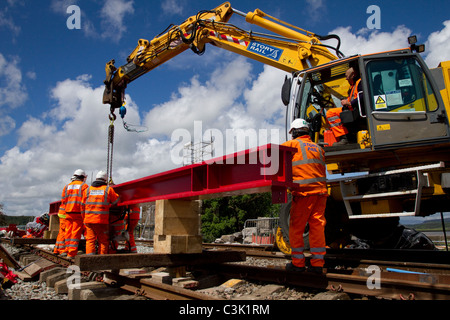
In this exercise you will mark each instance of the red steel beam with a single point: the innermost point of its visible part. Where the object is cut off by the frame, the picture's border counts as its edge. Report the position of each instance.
(264, 169)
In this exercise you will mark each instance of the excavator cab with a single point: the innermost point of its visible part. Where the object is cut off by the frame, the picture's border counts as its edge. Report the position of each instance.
(399, 106)
(398, 155)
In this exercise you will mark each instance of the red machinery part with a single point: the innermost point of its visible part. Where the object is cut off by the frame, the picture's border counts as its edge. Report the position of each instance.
(264, 169)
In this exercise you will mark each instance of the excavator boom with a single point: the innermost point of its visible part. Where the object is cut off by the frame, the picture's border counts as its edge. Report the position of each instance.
(288, 49)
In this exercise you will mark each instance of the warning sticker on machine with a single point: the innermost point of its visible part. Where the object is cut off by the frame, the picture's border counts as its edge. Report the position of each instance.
(380, 102)
(265, 50)
(383, 127)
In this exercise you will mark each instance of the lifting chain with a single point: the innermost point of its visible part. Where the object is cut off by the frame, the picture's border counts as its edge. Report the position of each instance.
(109, 160)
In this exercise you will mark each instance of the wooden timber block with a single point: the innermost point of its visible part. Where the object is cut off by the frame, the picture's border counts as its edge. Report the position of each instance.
(53, 224)
(177, 272)
(39, 266)
(139, 260)
(177, 244)
(161, 277)
(177, 217)
(50, 234)
(23, 276)
(53, 234)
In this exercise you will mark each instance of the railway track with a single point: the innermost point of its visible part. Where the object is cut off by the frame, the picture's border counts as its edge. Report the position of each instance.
(385, 274)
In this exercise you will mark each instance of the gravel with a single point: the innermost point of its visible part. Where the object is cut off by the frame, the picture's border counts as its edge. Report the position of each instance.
(27, 290)
(36, 290)
(33, 290)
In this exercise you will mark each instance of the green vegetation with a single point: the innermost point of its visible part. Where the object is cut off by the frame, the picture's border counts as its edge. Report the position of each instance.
(431, 225)
(228, 215)
(18, 220)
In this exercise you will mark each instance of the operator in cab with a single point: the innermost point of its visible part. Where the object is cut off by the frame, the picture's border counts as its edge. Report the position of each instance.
(309, 199)
(340, 132)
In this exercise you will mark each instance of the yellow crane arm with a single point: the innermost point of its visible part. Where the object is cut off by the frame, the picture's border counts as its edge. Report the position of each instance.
(288, 49)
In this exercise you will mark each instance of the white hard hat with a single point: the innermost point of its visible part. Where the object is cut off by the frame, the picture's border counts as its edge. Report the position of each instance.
(102, 175)
(80, 172)
(299, 124)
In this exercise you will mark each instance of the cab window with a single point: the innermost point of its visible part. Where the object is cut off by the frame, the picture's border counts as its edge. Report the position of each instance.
(323, 89)
(400, 85)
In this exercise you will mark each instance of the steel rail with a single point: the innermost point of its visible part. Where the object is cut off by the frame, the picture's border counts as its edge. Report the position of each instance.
(244, 247)
(388, 285)
(55, 258)
(153, 290)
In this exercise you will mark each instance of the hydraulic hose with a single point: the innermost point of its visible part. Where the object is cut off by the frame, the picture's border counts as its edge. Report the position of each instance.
(333, 36)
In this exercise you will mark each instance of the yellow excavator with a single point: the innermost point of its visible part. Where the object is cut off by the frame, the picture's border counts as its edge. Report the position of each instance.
(397, 160)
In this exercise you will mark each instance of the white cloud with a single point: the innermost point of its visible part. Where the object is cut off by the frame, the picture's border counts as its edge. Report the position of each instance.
(6, 21)
(172, 7)
(111, 17)
(60, 6)
(366, 41)
(263, 99)
(438, 46)
(34, 130)
(210, 101)
(73, 134)
(315, 8)
(31, 75)
(12, 90)
(13, 93)
(7, 124)
(113, 14)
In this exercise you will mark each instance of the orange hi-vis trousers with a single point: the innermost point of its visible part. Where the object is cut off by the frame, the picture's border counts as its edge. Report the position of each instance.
(74, 230)
(99, 232)
(60, 245)
(311, 210)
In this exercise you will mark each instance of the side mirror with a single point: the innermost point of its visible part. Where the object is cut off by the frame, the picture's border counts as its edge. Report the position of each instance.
(286, 91)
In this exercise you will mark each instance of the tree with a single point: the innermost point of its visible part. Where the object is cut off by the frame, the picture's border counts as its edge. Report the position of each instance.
(2, 216)
(228, 215)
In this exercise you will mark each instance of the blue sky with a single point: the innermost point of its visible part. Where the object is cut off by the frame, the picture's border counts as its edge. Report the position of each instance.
(52, 121)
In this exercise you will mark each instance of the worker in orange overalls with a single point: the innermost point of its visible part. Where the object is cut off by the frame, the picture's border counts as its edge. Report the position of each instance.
(132, 218)
(97, 200)
(71, 200)
(60, 245)
(309, 199)
(340, 132)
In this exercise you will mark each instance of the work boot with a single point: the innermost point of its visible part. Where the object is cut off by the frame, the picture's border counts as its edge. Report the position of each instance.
(343, 141)
(290, 267)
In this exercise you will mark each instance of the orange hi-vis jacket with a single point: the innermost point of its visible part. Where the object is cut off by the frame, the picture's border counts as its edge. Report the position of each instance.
(353, 92)
(72, 195)
(97, 201)
(308, 167)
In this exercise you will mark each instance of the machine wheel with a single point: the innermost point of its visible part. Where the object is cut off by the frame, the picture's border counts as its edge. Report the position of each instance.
(282, 236)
